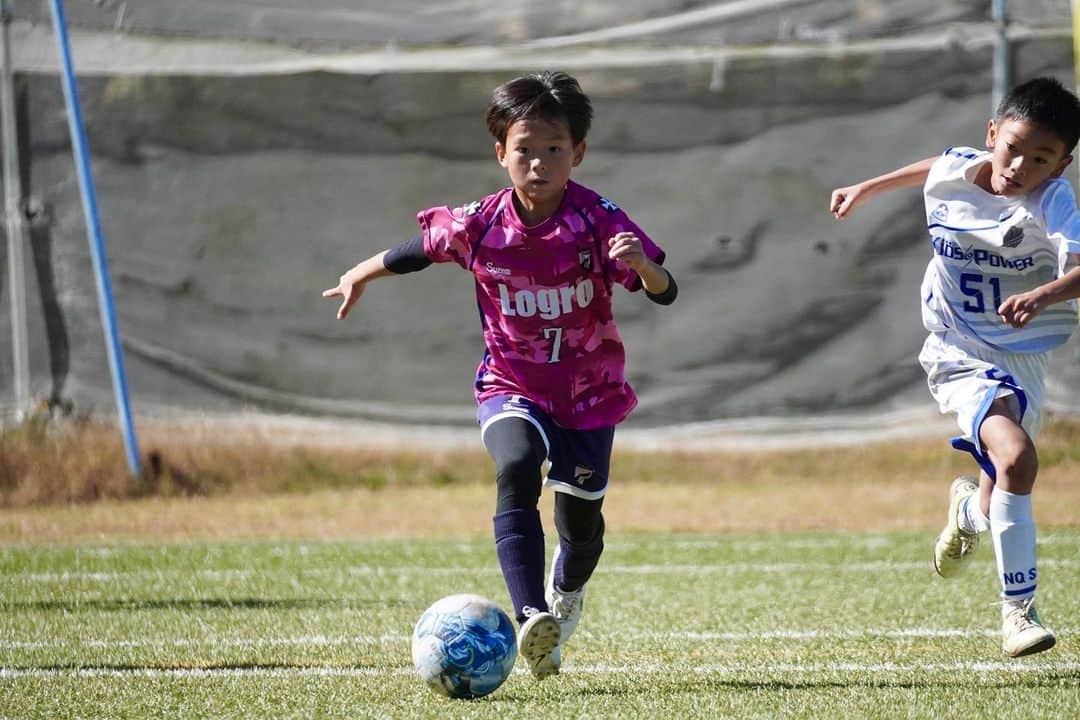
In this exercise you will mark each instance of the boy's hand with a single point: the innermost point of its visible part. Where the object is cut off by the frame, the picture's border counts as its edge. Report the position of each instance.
(350, 287)
(626, 246)
(845, 199)
(1018, 310)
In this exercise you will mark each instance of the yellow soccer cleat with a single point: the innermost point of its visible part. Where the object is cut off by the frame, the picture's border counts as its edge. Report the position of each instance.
(954, 545)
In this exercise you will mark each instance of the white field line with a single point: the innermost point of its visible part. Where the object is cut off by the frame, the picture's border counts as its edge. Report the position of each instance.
(396, 571)
(401, 639)
(779, 543)
(210, 642)
(757, 670)
(800, 668)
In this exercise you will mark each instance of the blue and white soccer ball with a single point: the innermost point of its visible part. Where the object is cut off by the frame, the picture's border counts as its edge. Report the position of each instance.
(464, 646)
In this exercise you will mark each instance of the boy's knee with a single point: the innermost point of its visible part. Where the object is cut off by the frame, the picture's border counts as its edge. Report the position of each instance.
(517, 481)
(517, 467)
(518, 452)
(1017, 464)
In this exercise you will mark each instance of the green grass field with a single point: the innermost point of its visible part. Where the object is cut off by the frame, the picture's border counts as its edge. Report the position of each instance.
(676, 625)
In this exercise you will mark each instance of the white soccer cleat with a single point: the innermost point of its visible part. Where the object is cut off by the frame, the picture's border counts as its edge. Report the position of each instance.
(538, 643)
(565, 606)
(954, 545)
(1022, 631)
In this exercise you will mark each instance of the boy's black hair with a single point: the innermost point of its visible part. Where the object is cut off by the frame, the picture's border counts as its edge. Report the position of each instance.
(549, 96)
(1046, 103)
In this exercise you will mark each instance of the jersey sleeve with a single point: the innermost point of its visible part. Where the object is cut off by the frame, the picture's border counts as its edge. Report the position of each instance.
(1061, 215)
(619, 272)
(448, 233)
(949, 163)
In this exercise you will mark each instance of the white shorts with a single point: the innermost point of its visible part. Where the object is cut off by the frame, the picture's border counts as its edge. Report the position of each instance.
(966, 379)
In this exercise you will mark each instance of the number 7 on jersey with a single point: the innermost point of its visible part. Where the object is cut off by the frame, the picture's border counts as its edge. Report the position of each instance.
(555, 335)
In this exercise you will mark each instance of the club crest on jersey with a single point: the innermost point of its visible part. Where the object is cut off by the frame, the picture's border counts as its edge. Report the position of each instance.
(1013, 237)
(585, 258)
(941, 213)
(608, 205)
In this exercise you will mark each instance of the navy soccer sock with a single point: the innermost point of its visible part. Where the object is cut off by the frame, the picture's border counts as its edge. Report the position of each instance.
(519, 542)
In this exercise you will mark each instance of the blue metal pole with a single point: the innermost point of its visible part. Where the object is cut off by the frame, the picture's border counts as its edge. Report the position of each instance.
(1002, 61)
(93, 228)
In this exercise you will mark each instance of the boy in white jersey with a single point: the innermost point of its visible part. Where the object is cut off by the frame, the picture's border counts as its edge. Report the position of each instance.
(546, 254)
(996, 298)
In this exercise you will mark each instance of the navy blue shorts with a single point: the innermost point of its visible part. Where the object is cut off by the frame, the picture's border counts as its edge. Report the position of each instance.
(579, 460)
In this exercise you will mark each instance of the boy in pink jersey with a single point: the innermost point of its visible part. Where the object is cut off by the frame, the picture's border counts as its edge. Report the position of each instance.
(546, 254)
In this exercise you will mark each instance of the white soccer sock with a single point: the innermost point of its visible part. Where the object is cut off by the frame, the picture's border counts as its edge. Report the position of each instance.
(1013, 529)
(971, 516)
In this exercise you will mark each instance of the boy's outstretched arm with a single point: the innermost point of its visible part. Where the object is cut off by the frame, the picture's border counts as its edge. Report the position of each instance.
(405, 258)
(846, 199)
(1018, 310)
(351, 285)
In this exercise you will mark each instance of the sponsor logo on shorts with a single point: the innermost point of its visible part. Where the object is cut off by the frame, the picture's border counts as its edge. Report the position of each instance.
(582, 474)
(514, 403)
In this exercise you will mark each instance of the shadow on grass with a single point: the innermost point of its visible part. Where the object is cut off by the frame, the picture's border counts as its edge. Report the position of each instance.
(1033, 678)
(122, 605)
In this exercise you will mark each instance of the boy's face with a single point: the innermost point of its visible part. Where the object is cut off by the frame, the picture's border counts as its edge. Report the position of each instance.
(539, 156)
(1024, 156)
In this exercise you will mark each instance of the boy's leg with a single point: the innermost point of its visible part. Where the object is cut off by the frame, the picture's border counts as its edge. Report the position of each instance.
(519, 450)
(581, 541)
(580, 461)
(580, 524)
(1012, 528)
(997, 398)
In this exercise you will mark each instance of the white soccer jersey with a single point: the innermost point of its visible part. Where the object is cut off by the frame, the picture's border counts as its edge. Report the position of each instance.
(988, 247)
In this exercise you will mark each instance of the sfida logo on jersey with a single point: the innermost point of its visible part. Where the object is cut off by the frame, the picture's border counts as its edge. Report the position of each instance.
(549, 303)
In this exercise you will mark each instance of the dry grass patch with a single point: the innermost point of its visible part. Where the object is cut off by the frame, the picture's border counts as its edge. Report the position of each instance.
(49, 462)
(68, 483)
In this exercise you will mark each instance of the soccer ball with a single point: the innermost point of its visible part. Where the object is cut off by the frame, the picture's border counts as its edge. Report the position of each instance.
(464, 646)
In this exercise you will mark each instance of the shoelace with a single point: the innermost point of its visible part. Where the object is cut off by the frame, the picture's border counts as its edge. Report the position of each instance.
(1021, 616)
(1023, 622)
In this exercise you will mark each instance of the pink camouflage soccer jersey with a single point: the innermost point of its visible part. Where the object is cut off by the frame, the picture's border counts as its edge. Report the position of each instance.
(545, 300)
